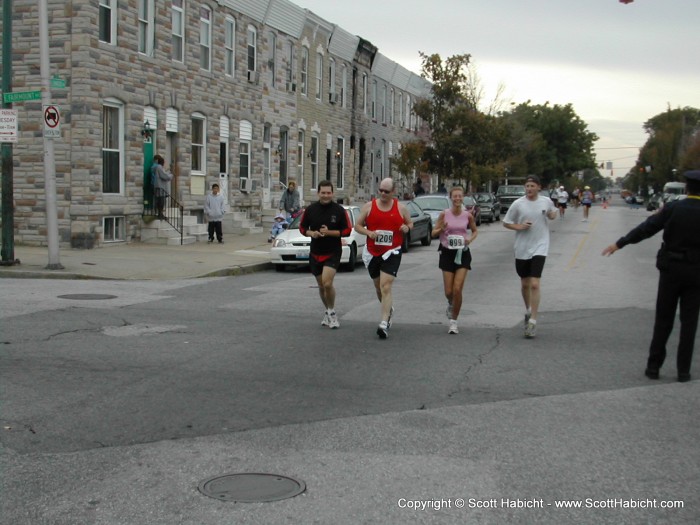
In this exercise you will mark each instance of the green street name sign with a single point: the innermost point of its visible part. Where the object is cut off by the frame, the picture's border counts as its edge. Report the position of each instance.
(21, 96)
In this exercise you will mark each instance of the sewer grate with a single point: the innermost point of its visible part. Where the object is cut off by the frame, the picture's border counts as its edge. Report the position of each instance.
(251, 487)
(87, 296)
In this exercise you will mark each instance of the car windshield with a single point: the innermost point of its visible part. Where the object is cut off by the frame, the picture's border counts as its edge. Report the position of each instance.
(483, 197)
(433, 203)
(295, 222)
(468, 201)
(511, 190)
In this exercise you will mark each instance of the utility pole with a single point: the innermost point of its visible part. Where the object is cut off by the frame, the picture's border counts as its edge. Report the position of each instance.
(49, 162)
(8, 204)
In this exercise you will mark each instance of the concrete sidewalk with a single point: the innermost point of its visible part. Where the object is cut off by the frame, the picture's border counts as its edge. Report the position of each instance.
(140, 261)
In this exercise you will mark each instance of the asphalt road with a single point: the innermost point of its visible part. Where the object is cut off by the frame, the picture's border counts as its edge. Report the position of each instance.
(176, 369)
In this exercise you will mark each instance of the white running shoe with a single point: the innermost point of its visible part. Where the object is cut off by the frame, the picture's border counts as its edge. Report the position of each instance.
(333, 320)
(531, 330)
(382, 330)
(391, 314)
(326, 320)
(453, 327)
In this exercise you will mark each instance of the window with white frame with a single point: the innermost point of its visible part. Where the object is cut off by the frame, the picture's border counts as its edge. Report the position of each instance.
(364, 93)
(112, 147)
(199, 141)
(108, 21)
(267, 154)
(314, 160)
(331, 81)
(146, 27)
(273, 58)
(290, 67)
(229, 46)
(408, 111)
(205, 38)
(304, 70)
(401, 120)
(382, 102)
(392, 106)
(114, 229)
(300, 156)
(252, 49)
(344, 87)
(340, 162)
(373, 112)
(178, 30)
(319, 75)
(224, 132)
(244, 159)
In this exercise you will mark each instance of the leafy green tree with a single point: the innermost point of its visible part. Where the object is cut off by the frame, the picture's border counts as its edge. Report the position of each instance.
(550, 141)
(669, 150)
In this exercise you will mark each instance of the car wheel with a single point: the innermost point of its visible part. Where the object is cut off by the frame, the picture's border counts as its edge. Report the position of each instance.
(406, 242)
(279, 267)
(428, 236)
(478, 222)
(352, 260)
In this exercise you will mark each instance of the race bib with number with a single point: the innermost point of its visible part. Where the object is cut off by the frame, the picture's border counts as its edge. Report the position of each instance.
(455, 242)
(384, 238)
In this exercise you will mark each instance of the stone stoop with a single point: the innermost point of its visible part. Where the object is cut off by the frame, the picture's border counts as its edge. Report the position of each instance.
(195, 229)
(160, 232)
(238, 223)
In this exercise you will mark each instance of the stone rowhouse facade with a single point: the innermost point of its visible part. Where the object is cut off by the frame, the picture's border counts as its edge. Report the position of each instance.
(303, 100)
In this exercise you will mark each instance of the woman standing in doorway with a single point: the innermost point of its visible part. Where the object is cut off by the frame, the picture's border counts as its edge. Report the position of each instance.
(457, 230)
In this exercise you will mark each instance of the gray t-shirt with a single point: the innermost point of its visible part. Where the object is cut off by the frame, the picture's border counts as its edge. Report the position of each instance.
(535, 240)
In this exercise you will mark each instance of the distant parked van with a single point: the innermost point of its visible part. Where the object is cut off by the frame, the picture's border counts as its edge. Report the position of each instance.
(673, 191)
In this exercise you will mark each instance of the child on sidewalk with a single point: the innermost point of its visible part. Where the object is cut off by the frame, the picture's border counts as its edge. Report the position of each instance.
(278, 227)
(214, 209)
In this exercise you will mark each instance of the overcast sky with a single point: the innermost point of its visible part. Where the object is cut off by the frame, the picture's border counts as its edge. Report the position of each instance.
(617, 64)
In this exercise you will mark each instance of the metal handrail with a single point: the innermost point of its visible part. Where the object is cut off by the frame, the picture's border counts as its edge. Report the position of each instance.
(165, 207)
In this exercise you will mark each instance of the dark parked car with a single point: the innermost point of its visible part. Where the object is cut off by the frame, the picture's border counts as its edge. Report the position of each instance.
(422, 226)
(490, 206)
(436, 203)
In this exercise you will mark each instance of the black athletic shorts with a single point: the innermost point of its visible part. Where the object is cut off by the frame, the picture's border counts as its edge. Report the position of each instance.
(317, 262)
(447, 260)
(391, 265)
(530, 267)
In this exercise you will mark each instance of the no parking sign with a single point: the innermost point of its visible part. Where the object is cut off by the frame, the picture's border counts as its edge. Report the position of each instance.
(52, 121)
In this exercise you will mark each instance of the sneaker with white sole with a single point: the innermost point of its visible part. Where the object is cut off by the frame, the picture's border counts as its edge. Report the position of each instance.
(333, 320)
(391, 314)
(527, 320)
(453, 327)
(382, 330)
(531, 330)
(326, 320)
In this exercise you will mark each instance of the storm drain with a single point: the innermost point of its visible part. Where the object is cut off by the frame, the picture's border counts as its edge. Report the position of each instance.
(87, 296)
(251, 487)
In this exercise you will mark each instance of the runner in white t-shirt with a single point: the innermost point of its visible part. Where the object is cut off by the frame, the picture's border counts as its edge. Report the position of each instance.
(529, 217)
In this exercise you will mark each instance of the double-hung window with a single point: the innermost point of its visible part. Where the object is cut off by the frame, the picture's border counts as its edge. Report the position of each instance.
(199, 141)
(108, 21)
(178, 30)
(229, 46)
(146, 27)
(112, 147)
(205, 38)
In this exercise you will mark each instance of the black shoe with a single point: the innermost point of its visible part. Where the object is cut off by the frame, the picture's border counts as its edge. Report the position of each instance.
(221, 241)
(683, 378)
(651, 373)
(210, 241)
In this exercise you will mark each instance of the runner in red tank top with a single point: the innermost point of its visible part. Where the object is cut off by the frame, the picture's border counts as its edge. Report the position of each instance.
(384, 221)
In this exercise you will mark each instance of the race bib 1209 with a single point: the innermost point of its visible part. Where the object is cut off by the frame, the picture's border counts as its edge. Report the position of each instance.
(384, 238)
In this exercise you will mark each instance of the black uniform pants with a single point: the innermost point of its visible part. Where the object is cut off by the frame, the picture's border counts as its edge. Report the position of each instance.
(214, 227)
(680, 284)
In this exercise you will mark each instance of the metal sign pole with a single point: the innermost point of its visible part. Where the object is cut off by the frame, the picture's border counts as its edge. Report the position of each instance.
(8, 207)
(49, 162)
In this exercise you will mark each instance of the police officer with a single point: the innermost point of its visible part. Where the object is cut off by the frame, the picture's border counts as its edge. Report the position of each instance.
(678, 262)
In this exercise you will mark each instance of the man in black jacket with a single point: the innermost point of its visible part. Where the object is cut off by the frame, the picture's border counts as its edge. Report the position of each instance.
(678, 262)
(325, 221)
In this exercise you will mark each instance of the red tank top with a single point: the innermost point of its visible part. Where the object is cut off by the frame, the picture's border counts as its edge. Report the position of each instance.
(387, 224)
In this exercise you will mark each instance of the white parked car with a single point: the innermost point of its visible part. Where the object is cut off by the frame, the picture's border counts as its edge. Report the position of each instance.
(291, 248)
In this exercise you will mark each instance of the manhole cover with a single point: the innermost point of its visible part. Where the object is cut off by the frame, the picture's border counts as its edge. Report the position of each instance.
(251, 487)
(87, 296)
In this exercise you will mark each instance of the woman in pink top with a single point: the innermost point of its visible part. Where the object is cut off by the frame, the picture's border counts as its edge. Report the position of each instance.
(457, 230)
